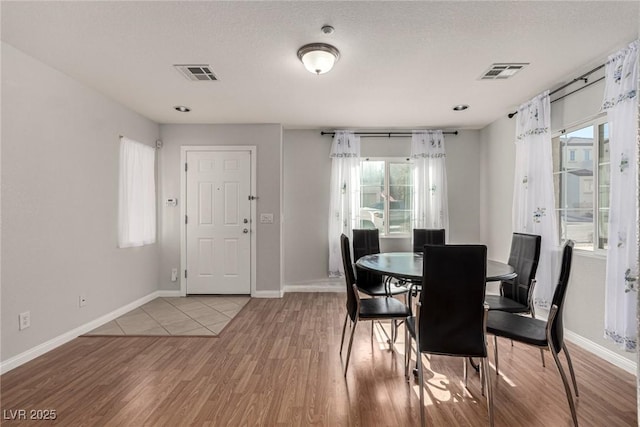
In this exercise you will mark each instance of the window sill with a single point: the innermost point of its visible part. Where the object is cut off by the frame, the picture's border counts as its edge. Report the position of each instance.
(395, 236)
(601, 254)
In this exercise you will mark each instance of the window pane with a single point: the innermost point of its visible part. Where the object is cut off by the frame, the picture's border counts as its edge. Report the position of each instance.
(603, 184)
(603, 224)
(400, 192)
(371, 199)
(578, 226)
(603, 191)
(574, 186)
(603, 137)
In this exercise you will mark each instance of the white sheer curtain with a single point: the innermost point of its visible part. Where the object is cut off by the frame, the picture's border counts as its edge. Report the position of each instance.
(533, 193)
(430, 202)
(621, 104)
(137, 194)
(344, 194)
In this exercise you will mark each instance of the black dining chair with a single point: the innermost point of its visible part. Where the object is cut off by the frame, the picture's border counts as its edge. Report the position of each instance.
(427, 236)
(516, 295)
(547, 334)
(382, 308)
(451, 315)
(367, 242)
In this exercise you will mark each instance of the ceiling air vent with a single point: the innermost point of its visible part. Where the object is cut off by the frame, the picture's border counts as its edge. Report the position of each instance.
(196, 72)
(502, 71)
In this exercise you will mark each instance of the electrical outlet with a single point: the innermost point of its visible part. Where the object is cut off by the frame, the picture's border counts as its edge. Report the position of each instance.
(174, 274)
(266, 218)
(24, 320)
(82, 301)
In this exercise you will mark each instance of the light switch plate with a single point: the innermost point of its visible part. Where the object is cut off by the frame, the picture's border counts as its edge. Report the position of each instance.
(266, 218)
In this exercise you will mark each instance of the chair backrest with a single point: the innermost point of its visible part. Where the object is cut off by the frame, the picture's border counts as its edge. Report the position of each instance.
(557, 328)
(452, 315)
(425, 236)
(524, 258)
(366, 242)
(349, 277)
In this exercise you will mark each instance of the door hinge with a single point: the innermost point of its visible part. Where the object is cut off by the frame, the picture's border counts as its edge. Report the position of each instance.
(185, 274)
(185, 167)
(186, 219)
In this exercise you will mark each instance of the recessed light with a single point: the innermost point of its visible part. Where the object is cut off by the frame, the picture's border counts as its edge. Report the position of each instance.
(460, 107)
(182, 108)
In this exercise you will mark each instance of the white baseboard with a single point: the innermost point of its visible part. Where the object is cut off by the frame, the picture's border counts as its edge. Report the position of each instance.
(169, 294)
(41, 349)
(602, 352)
(268, 294)
(328, 285)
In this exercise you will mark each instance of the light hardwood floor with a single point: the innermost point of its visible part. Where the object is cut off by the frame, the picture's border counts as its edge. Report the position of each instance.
(277, 363)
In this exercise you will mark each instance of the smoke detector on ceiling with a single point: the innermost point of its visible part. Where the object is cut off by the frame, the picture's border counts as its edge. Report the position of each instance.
(197, 72)
(502, 71)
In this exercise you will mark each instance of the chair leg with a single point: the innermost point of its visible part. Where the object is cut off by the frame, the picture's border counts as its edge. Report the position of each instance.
(483, 377)
(487, 384)
(353, 330)
(421, 385)
(344, 328)
(464, 371)
(573, 375)
(567, 388)
(407, 351)
(495, 352)
(542, 357)
(394, 333)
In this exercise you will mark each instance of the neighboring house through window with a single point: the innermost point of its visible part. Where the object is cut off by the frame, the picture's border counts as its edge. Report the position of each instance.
(582, 212)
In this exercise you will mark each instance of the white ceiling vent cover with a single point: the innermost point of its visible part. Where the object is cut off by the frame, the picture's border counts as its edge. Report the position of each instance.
(198, 72)
(502, 71)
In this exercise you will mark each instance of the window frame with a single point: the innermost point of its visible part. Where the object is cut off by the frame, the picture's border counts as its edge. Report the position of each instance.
(388, 160)
(596, 122)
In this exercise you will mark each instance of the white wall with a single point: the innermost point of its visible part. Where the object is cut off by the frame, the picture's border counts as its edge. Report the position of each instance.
(60, 197)
(268, 139)
(307, 171)
(584, 306)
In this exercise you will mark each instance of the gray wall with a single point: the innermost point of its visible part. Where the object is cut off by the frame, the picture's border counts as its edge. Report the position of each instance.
(268, 139)
(307, 171)
(584, 310)
(60, 159)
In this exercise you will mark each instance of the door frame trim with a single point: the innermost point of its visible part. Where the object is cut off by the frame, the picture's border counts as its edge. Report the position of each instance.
(184, 149)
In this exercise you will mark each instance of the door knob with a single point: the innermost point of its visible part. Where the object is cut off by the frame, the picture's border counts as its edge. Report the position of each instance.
(245, 231)
(245, 220)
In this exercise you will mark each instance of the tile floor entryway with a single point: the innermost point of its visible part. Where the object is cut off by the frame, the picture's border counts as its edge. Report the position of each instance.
(192, 315)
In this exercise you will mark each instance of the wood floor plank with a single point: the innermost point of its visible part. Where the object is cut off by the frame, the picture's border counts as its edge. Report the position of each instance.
(278, 364)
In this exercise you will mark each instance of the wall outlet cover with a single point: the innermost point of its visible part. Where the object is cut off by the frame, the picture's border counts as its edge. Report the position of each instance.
(24, 320)
(266, 218)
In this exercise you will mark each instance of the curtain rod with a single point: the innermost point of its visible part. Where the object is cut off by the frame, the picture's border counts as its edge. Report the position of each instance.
(577, 79)
(384, 134)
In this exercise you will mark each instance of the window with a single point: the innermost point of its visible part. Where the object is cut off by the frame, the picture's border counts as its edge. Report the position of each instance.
(582, 212)
(386, 192)
(137, 195)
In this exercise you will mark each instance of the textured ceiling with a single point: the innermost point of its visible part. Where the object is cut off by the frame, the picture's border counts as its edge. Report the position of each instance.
(403, 64)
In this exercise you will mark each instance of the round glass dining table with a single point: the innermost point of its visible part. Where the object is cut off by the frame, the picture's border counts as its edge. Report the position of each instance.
(408, 266)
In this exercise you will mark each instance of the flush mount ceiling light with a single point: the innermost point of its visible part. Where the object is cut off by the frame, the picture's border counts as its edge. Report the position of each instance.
(182, 108)
(460, 107)
(318, 58)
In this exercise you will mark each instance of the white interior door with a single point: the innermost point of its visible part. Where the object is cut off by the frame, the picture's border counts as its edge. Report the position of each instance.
(218, 222)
